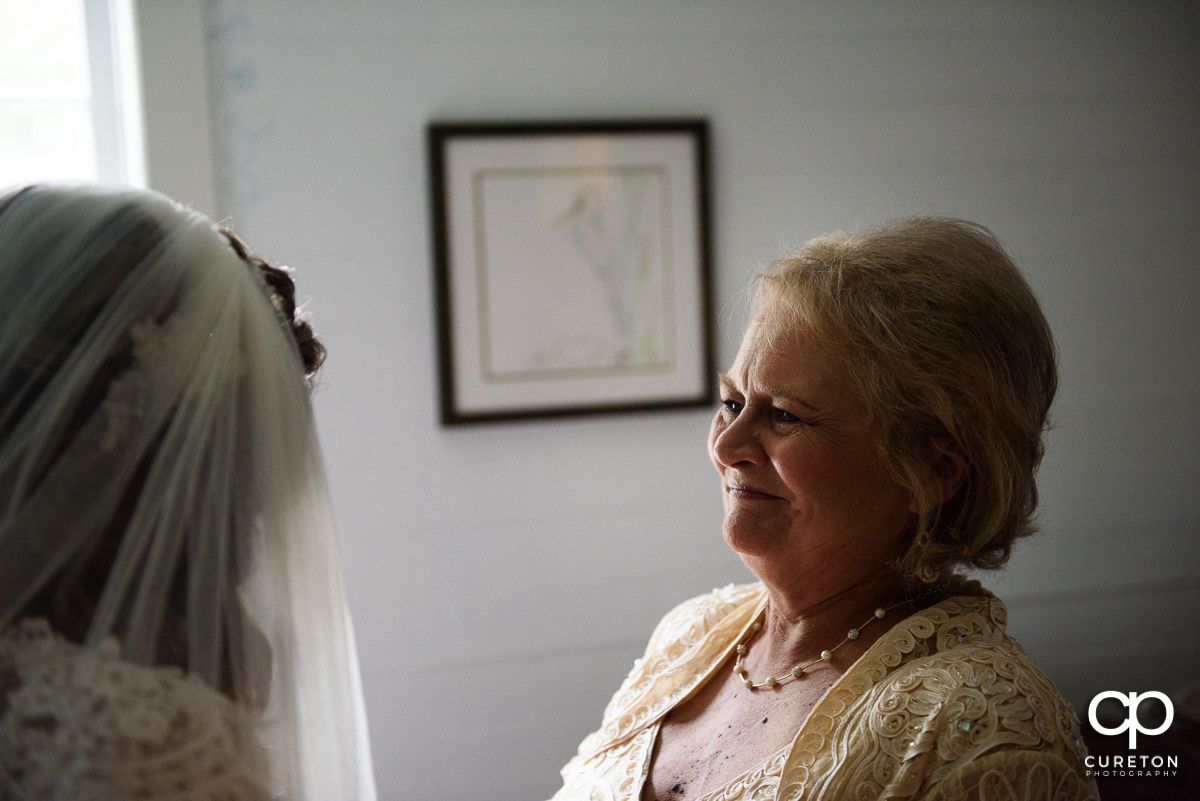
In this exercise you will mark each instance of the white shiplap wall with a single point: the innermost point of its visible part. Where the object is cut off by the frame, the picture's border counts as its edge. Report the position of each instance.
(504, 577)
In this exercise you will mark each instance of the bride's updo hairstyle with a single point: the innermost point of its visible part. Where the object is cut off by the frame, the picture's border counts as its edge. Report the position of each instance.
(283, 298)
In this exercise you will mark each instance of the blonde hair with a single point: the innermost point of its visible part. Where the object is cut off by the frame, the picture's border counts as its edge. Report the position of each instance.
(938, 333)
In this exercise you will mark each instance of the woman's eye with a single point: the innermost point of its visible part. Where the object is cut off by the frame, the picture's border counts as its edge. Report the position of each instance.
(782, 416)
(731, 406)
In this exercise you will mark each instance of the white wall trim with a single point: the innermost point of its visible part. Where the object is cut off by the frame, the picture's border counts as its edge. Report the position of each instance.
(180, 157)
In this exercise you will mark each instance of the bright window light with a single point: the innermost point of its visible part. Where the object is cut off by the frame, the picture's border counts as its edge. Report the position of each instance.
(69, 100)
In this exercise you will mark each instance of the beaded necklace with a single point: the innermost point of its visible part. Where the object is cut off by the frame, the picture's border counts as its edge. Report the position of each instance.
(798, 671)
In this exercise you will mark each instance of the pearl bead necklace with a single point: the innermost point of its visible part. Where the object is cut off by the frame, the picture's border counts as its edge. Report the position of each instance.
(798, 671)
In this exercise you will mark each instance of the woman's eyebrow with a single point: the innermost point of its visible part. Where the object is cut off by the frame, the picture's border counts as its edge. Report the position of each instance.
(727, 384)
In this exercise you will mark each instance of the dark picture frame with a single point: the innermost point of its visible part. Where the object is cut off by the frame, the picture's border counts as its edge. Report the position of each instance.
(572, 267)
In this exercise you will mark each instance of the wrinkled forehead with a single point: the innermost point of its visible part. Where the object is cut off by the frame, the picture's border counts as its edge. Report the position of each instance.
(777, 350)
(796, 305)
(766, 338)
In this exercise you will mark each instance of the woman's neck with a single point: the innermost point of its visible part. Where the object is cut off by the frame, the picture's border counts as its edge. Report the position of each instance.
(799, 625)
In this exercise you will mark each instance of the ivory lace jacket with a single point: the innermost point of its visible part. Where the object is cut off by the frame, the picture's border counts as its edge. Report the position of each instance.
(945, 706)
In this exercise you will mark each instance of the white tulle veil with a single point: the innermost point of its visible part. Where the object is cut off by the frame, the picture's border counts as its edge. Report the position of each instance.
(160, 479)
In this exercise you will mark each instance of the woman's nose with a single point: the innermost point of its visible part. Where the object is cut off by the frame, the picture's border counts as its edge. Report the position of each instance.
(735, 441)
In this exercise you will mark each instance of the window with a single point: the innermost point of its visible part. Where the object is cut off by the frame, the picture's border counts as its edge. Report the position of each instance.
(69, 98)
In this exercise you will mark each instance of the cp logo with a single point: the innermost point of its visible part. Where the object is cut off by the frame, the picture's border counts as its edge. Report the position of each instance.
(1131, 701)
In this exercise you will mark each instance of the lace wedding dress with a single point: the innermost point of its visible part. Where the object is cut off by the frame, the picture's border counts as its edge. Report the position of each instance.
(80, 724)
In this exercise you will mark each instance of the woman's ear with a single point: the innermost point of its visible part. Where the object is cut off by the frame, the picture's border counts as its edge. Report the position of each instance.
(945, 470)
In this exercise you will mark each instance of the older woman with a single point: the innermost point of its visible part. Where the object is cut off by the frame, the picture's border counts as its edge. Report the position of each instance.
(878, 431)
(172, 620)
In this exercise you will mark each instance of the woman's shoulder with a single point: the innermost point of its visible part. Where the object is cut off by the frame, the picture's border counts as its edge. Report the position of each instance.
(80, 722)
(962, 639)
(945, 693)
(694, 618)
(719, 601)
(979, 691)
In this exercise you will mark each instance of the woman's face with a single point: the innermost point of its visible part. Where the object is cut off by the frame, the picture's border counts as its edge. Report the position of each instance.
(793, 446)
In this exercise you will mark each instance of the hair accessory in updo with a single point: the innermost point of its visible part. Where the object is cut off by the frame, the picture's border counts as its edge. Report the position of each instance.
(283, 298)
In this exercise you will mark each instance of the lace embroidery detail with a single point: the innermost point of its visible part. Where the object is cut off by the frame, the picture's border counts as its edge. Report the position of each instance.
(941, 696)
(616, 773)
(1005, 776)
(678, 658)
(79, 723)
(126, 399)
(758, 784)
(943, 688)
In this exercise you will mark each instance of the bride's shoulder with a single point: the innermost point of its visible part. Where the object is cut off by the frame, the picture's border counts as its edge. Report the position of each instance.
(81, 722)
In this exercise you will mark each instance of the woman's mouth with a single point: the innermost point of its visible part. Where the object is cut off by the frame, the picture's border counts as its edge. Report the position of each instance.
(745, 492)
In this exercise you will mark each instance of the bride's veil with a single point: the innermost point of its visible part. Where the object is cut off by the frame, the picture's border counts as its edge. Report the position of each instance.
(160, 479)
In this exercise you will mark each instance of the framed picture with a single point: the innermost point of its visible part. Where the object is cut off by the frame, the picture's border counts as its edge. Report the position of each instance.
(572, 265)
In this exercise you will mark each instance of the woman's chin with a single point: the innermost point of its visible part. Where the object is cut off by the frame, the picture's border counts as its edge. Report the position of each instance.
(750, 542)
